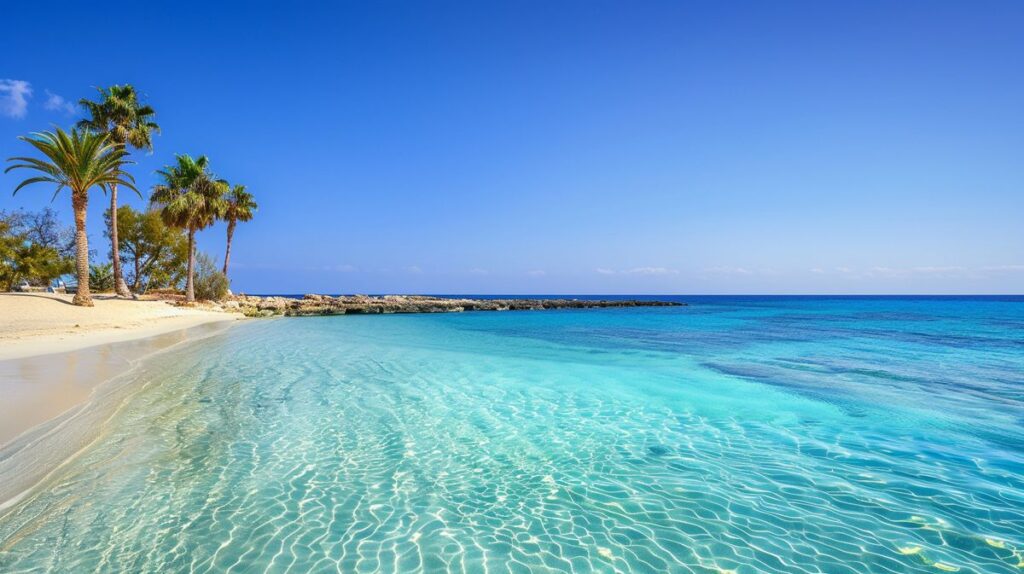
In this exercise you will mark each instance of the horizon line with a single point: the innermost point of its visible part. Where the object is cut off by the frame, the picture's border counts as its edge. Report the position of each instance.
(538, 294)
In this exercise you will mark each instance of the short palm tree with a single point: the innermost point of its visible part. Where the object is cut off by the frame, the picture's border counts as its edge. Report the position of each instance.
(190, 198)
(79, 161)
(240, 206)
(126, 122)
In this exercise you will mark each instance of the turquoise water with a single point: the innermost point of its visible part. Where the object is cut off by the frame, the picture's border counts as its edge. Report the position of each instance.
(735, 435)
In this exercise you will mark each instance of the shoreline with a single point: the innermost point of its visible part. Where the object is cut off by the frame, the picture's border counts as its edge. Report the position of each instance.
(65, 371)
(66, 398)
(58, 370)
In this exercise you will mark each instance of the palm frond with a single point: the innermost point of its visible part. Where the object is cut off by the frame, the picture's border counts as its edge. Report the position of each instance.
(239, 205)
(190, 197)
(79, 160)
(38, 179)
(119, 114)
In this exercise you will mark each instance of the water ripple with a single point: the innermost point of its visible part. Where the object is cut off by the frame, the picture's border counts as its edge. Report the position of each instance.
(416, 445)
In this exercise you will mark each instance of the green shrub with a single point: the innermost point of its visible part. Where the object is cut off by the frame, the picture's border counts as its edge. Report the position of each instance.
(210, 283)
(33, 248)
(101, 277)
(153, 255)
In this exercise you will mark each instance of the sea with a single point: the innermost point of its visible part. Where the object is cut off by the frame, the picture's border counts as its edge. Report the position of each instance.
(739, 434)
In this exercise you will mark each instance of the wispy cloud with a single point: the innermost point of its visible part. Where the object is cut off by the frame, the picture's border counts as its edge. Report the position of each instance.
(536, 273)
(652, 271)
(840, 270)
(726, 270)
(477, 271)
(55, 102)
(414, 269)
(1003, 268)
(638, 271)
(929, 270)
(14, 95)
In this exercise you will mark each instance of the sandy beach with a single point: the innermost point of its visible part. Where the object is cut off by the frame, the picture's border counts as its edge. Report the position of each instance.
(42, 323)
(55, 356)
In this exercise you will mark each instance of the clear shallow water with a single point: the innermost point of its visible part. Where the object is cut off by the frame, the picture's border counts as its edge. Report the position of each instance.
(745, 435)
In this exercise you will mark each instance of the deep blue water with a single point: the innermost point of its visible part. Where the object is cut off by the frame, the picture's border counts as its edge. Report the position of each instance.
(738, 434)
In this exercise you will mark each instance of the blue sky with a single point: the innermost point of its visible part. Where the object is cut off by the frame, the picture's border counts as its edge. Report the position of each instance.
(567, 147)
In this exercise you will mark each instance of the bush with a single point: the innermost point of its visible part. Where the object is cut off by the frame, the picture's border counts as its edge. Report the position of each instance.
(101, 277)
(153, 255)
(32, 248)
(210, 283)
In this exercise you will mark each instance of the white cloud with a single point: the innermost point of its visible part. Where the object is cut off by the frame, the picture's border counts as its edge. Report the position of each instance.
(1009, 268)
(652, 271)
(536, 273)
(940, 269)
(929, 270)
(55, 102)
(14, 95)
(414, 269)
(725, 270)
(638, 271)
(845, 272)
(882, 271)
(477, 271)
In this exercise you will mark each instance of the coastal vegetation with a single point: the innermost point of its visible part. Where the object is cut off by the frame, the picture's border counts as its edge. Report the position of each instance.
(154, 254)
(239, 205)
(150, 249)
(119, 115)
(34, 248)
(190, 199)
(79, 161)
(210, 283)
(101, 276)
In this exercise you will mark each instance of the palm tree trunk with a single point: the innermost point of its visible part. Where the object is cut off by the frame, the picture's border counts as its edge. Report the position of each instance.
(190, 292)
(136, 283)
(227, 252)
(120, 287)
(79, 202)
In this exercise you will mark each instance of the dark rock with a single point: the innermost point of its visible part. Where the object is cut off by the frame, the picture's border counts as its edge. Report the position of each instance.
(313, 304)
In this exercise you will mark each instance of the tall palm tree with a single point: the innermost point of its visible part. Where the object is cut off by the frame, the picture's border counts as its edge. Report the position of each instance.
(126, 122)
(240, 206)
(78, 161)
(190, 198)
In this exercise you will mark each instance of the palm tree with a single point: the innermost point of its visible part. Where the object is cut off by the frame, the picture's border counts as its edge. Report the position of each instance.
(240, 207)
(78, 161)
(190, 198)
(126, 122)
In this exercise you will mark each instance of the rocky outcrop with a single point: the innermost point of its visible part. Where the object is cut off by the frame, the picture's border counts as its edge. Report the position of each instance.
(309, 305)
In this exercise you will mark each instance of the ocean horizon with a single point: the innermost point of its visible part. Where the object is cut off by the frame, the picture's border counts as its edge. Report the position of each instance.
(1008, 297)
(737, 434)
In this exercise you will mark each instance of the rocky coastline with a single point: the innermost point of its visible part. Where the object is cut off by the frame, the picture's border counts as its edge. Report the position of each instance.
(317, 305)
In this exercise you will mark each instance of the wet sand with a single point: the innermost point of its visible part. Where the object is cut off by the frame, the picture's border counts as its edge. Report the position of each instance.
(54, 404)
